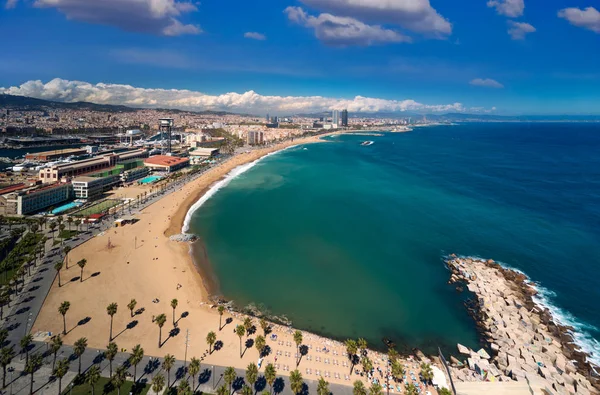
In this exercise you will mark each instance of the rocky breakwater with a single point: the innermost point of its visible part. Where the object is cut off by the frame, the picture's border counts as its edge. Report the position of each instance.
(524, 341)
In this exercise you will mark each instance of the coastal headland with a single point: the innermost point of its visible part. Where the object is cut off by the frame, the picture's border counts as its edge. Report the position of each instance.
(525, 342)
(141, 262)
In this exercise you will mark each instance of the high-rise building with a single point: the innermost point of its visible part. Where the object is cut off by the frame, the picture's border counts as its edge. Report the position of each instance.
(268, 118)
(335, 117)
(344, 117)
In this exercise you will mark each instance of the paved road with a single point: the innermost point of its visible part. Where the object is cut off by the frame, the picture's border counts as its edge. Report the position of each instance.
(24, 309)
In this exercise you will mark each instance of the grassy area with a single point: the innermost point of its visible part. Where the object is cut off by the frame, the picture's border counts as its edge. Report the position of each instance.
(98, 208)
(67, 234)
(105, 387)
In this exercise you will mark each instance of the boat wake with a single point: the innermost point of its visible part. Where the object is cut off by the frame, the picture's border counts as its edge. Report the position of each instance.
(543, 298)
(236, 172)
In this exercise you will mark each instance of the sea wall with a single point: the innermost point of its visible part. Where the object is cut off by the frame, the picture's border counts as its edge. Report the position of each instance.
(524, 341)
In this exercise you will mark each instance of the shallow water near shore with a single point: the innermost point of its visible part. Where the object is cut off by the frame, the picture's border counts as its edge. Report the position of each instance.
(348, 240)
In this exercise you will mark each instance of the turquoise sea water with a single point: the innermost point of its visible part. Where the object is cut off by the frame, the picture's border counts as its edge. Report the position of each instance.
(349, 241)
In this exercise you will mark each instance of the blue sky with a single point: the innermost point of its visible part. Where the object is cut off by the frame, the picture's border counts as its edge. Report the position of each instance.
(503, 56)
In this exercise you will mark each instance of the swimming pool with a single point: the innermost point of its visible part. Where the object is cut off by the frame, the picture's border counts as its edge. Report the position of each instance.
(149, 179)
(66, 207)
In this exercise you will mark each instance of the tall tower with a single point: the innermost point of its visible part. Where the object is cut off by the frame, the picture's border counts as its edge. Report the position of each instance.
(335, 117)
(345, 118)
(166, 126)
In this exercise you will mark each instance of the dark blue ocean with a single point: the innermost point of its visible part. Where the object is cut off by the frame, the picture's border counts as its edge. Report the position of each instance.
(348, 240)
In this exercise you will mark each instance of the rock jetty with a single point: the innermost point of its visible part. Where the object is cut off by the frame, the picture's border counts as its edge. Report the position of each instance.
(184, 238)
(524, 343)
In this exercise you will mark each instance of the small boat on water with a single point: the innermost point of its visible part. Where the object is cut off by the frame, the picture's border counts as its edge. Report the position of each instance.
(366, 143)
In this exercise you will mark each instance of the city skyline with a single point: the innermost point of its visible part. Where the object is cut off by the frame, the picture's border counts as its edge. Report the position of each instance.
(489, 57)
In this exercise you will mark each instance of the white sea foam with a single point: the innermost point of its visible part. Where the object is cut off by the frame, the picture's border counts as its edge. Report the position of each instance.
(543, 298)
(237, 171)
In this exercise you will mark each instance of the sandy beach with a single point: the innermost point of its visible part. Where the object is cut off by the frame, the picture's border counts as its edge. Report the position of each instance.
(140, 262)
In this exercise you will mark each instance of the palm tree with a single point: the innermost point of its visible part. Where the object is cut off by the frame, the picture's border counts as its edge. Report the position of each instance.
(52, 227)
(110, 354)
(193, 370)
(260, 344)
(58, 266)
(54, 347)
(444, 391)
(160, 321)
(366, 364)
(131, 306)
(174, 303)
(296, 382)
(3, 336)
(411, 389)
(426, 372)
(362, 345)
(375, 389)
(252, 374)
(4, 300)
(359, 388)
(222, 390)
(397, 369)
(64, 307)
(25, 343)
(66, 250)
(81, 264)
(211, 338)
(247, 325)
(137, 354)
(323, 387)
(264, 325)
(32, 366)
(61, 229)
(221, 310)
(79, 349)
(167, 365)
(60, 371)
(69, 222)
(240, 331)
(270, 375)
(298, 341)
(92, 376)
(351, 350)
(6, 356)
(184, 388)
(246, 390)
(119, 378)
(111, 310)
(229, 376)
(158, 383)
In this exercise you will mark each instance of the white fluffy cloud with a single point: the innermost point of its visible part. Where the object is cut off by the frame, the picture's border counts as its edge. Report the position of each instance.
(588, 18)
(486, 82)
(10, 4)
(414, 15)
(344, 31)
(146, 16)
(255, 36)
(509, 8)
(518, 30)
(248, 102)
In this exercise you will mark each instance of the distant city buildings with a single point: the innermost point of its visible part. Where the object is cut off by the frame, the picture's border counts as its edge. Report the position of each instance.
(335, 117)
(256, 137)
(345, 118)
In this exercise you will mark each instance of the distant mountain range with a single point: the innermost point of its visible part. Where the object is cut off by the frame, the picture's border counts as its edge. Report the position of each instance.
(30, 103)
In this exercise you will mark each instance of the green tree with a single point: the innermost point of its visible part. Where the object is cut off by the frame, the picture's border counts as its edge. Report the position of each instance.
(247, 324)
(60, 370)
(110, 354)
(323, 387)
(92, 377)
(222, 390)
(296, 382)
(246, 390)
(240, 331)
(426, 372)
(25, 343)
(411, 389)
(298, 341)
(397, 369)
(58, 266)
(52, 228)
(211, 338)
(111, 310)
(221, 310)
(367, 365)
(79, 349)
(167, 365)
(174, 304)
(264, 326)
(66, 250)
(260, 344)
(444, 391)
(32, 366)
(359, 388)
(3, 336)
(158, 383)
(270, 375)
(362, 345)
(55, 346)
(81, 264)
(160, 321)
(252, 374)
(193, 370)
(131, 306)
(119, 378)
(6, 356)
(136, 356)
(351, 350)
(375, 389)
(229, 377)
(64, 307)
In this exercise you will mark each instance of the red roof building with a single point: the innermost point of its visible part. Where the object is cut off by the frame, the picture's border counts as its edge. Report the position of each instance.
(166, 163)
